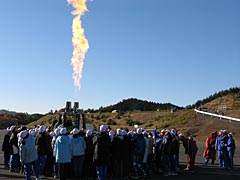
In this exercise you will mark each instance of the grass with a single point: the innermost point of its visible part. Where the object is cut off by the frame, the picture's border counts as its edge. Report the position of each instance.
(185, 121)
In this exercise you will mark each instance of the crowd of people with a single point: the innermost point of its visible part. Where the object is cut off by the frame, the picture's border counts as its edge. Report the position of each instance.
(221, 144)
(106, 153)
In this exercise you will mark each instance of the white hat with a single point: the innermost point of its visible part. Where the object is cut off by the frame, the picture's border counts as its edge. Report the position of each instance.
(52, 133)
(60, 126)
(42, 128)
(163, 131)
(111, 133)
(12, 128)
(181, 135)
(75, 131)
(32, 132)
(23, 134)
(103, 128)
(124, 132)
(57, 131)
(131, 133)
(119, 132)
(145, 132)
(174, 131)
(63, 131)
(230, 134)
(89, 132)
(139, 131)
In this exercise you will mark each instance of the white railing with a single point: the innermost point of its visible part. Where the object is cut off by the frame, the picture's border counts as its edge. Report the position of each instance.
(217, 115)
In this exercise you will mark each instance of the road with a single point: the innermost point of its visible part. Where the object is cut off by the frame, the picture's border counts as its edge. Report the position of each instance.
(209, 172)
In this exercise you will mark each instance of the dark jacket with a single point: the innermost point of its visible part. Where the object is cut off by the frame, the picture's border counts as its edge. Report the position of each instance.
(43, 144)
(5, 145)
(102, 149)
(117, 148)
(13, 143)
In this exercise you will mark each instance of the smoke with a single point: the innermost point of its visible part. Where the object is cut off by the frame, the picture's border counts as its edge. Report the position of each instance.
(80, 43)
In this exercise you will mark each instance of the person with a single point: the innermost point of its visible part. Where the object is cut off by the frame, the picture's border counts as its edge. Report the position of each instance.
(117, 155)
(138, 154)
(191, 149)
(221, 148)
(55, 165)
(167, 145)
(6, 149)
(88, 159)
(43, 148)
(48, 168)
(158, 155)
(63, 154)
(14, 150)
(210, 151)
(102, 144)
(78, 147)
(28, 154)
(231, 146)
(175, 151)
(126, 154)
(192, 152)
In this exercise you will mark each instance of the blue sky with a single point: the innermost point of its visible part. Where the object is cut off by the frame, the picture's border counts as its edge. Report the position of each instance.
(176, 51)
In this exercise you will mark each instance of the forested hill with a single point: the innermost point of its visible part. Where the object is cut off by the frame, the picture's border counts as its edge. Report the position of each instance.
(134, 104)
(234, 90)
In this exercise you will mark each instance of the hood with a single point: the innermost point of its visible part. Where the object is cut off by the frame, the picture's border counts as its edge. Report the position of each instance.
(76, 140)
(63, 139)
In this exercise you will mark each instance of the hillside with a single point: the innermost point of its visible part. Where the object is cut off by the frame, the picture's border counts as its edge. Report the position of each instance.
(8, 119)
(3, 111)
(133, 104)
(185, 121)
(149, 115)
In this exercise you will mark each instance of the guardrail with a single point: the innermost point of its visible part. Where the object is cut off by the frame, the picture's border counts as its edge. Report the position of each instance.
(217, 115)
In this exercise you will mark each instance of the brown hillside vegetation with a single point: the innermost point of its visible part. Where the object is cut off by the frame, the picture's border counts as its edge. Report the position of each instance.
(185, 121)
(231, 101)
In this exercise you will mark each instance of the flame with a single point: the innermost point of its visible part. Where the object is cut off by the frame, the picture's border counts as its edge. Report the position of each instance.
(80, 43)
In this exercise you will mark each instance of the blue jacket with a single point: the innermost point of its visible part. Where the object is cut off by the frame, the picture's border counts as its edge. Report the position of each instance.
(62, 149)
(220, 142)
(231, 144)
(78, 146)
(139, 145)
(28, 151)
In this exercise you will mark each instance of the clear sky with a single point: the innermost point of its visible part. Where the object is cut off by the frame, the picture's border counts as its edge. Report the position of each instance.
(176, 51)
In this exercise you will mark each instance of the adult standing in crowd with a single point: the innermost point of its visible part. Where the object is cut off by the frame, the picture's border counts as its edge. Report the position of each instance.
(43, 148)
(63, 154)
(126, 150)
(89, 170)
(28, 154)
(231, 146)
(138, 154)
(14, 150)
(55, 165)
(117, 155)
(191, 149)
(6, 149)
(210, 151)
(102, 150)
(78, 147)
(221, 147)
(166, 152)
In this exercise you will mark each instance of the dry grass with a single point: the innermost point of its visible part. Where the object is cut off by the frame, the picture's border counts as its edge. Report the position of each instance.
(185, 121)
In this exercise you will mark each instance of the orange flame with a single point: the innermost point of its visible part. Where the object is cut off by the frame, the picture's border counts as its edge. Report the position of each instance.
(80, 43)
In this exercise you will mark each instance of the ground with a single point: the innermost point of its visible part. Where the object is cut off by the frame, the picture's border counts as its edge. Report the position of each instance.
(209, 172)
